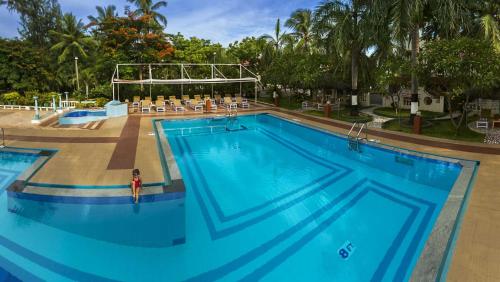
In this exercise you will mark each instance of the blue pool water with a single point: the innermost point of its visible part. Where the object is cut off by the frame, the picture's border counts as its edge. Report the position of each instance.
(265, 199)
(85, 113)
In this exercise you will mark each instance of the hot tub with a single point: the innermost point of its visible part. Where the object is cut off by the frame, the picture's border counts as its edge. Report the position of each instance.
(82, 116)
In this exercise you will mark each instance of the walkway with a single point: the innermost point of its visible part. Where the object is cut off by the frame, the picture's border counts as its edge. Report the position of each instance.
(378, 121)
(124, 154)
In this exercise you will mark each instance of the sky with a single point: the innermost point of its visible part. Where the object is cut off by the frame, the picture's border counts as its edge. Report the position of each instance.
(222, 21)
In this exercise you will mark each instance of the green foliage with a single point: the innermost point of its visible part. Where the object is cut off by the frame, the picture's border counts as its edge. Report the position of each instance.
(456, 66)
(37, 18)
(100, 102)
(25, 67)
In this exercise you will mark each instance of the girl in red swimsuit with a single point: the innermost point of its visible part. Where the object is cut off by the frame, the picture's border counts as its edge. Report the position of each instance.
(136, 184)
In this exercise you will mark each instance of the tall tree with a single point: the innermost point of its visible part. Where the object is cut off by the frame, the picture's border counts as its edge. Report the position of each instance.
(103, 14)
(149, 8)
(278, 38)
(301, 23)
(409, 17)
(71, 40)
(37, 17)
(347, 24)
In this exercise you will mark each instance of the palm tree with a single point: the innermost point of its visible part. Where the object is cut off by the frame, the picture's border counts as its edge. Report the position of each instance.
(278, 39)
(103, 14)
(408, 17)
(149, 8)
(347, 25)
(490, 22)
(301, 23)
(72, 40)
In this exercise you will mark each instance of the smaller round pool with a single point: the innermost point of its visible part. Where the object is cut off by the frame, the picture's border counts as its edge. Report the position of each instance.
(85, 114)
(82, 116)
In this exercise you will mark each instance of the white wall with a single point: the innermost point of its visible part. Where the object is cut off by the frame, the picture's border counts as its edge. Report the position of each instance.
(436, 105)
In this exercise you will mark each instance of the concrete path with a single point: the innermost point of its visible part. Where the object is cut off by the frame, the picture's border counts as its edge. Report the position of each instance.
(377, 120)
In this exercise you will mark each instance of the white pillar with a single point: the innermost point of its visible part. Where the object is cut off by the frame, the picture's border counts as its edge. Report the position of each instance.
(54, 103)
(37, 113)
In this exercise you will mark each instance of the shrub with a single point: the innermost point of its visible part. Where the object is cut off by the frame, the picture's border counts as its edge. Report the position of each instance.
(100, 102)
(11, 98)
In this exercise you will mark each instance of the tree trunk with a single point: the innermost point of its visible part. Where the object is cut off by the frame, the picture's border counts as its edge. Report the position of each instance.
(354, 81)
(415, 37)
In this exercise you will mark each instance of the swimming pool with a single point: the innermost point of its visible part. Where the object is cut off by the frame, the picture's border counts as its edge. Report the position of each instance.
(265, 199)
(82, 116)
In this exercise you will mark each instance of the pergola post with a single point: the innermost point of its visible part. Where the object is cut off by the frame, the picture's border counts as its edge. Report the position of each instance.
(256, 92)
(212, 83)
(150, 81)
(118, 86)
(240, 79)
(182, 78)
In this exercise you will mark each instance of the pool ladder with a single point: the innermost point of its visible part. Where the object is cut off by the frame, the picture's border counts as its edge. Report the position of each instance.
(353, 140)
(231, 113)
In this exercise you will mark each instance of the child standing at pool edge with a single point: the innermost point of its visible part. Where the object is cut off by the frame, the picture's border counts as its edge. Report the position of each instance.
(136, 184)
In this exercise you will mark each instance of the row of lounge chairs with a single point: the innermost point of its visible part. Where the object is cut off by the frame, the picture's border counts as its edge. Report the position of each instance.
(197, 104)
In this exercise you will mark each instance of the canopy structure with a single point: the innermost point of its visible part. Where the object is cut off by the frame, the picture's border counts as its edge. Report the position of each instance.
(182, 74)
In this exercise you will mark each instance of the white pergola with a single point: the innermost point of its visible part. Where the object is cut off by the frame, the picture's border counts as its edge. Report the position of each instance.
(216, 76)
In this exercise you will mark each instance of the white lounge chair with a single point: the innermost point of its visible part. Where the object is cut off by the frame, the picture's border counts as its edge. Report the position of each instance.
(482, 123)
(229, 104)
(160, 106)
(146, 106)
(177, 106)
(196, 106)
(243, 103)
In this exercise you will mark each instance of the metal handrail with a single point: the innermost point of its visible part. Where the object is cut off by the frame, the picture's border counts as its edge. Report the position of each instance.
(360, 130)
(352, 128)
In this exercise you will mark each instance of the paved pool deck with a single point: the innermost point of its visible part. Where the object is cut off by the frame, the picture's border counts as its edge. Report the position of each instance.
(96, 157)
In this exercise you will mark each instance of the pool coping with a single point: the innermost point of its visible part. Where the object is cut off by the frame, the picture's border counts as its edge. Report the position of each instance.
(434, 260)
(44, 155)
(54, 192)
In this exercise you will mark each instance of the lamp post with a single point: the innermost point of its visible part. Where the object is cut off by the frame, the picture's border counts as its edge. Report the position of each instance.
(76, 71)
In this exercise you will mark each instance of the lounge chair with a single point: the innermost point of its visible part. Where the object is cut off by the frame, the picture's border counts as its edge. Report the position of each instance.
(196, 105)
(185, 98)
(197, 97)
(218, 99)
(243, 103)
(483, 119)
(137, 102)
(160, 106)
(177, 106)
(229, 104)
(146, 106)
(161, 98)
(306, 105)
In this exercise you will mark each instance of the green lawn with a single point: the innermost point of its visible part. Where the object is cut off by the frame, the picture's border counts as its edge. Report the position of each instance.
(345, 115)
(391, 113)
(440, 129)
(284, 102)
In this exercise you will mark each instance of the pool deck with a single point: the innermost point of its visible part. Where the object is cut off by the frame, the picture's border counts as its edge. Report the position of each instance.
(105, 156)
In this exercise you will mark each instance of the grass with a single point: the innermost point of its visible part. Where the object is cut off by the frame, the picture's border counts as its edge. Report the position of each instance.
(345, 115)
(284, 102)
(440, 129)
(391, 113)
